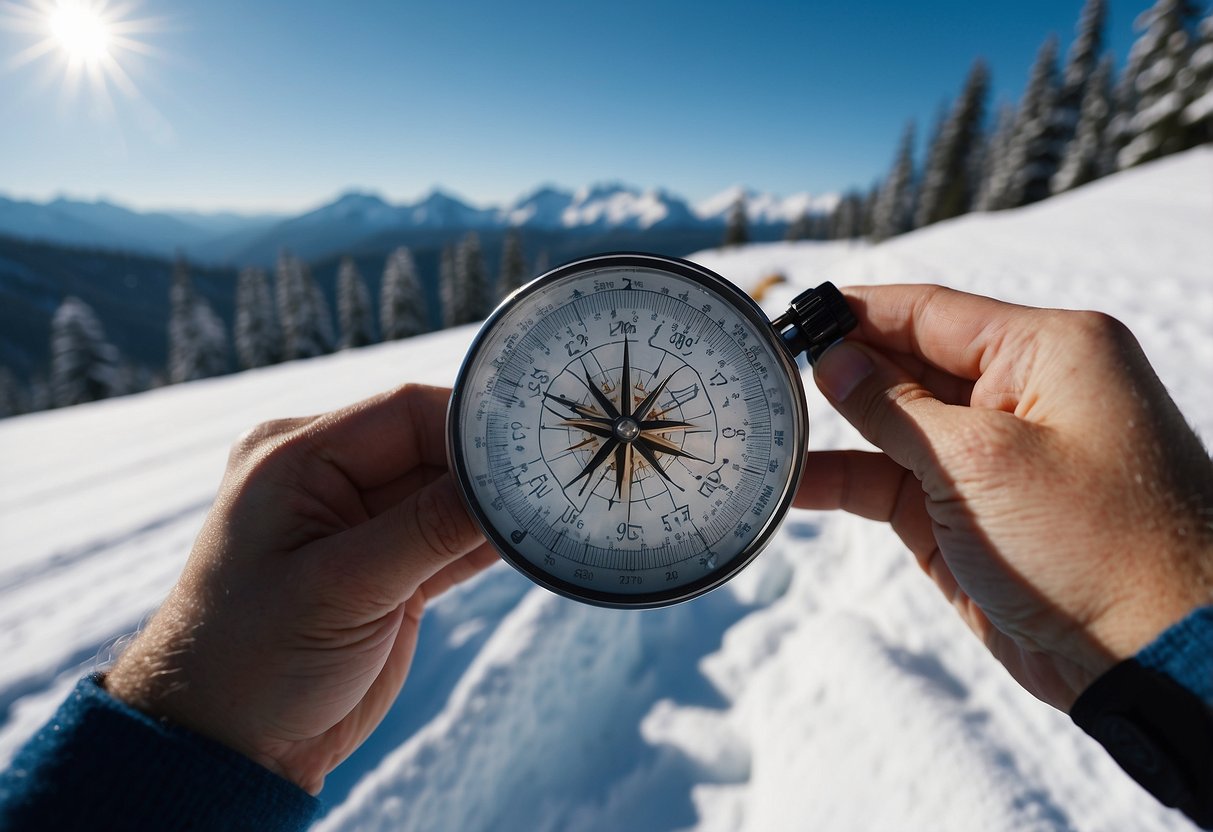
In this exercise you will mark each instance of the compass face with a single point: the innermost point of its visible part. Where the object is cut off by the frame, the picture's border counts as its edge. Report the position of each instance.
(627, 430)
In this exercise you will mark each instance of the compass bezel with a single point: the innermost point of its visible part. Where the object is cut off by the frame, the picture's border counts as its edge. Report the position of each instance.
(748, 309)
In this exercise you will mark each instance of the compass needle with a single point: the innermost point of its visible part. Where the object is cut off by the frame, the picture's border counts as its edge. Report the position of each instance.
(545, 467)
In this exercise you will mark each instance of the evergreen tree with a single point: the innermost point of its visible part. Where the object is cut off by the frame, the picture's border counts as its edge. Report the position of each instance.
(197, 338)
(449, 287)
(40, 395)
(1162, 80)
(12, 398)
(948, 186)
(1081, 64)
(736, 231)
(353, 306)
(1087, 157)
(1037, 143)
(258, 337)
(403, 311)
(307, 327)
(996, 169)
(513, 265)
(893, 212)
(542, 263)
(84, 364)
(1198, 115)
(800, 228)
(848, 217)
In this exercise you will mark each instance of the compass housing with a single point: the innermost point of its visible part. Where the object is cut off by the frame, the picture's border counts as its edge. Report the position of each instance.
(748, 540)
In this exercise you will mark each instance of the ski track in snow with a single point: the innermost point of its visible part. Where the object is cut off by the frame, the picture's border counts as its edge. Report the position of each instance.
(827, 687)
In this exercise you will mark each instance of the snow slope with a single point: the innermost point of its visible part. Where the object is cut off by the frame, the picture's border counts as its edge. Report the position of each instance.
(827, 687)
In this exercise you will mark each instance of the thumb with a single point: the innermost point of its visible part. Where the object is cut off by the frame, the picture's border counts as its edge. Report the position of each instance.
(892, 410)
(411, 542)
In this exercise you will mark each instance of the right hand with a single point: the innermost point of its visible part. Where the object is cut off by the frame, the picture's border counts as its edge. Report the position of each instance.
(1035, 466)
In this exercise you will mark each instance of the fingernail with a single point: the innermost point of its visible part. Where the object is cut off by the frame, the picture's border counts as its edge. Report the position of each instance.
(840, 370)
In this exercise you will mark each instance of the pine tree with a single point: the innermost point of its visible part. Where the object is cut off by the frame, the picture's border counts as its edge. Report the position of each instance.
(197, 338)
(1081, 64)
(542, 263)
(513, 264)
(1036, 145)
(736, 231)
(893, 213)
(469, 265)
(307, 326)
(84, 364)
(1162, 80)
(800, 228)
(1198, 115)
(12, 398)
(948, 186)
(848, 216)
(403, 311)
(448, 285)
(996, 168)
(353, 306)
(258, 337)
(1087, 157)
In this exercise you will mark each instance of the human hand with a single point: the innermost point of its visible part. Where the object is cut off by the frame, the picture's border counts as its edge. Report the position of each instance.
(1035, 466)
(291, 629)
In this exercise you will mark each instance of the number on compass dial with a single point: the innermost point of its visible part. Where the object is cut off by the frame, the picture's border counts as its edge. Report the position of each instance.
(628, 435)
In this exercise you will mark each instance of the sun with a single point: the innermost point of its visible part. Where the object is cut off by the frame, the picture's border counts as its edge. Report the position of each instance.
(89, 47)
(80, 31)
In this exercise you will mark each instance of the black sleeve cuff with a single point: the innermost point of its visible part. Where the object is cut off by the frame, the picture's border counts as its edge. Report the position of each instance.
(1158, 731)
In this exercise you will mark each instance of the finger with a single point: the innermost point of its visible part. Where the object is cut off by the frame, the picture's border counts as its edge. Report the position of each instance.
(380, 499)
(376, 440)
(891, 410)
(954, 331)
(946, 387)
(869, 485)
(408, 544)
(464, 569)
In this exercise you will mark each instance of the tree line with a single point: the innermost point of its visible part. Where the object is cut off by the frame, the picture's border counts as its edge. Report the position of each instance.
(279, 318)
(1073, 125)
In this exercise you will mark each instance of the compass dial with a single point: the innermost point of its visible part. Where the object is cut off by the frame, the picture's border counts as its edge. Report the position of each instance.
(628, 430)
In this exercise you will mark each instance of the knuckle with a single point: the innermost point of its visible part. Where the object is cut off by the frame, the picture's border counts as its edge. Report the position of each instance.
(1098, 329)
(881, 406)
(442, 524)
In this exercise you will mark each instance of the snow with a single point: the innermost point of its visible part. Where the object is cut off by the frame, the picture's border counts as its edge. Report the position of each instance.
(828, 686)
(763, 208)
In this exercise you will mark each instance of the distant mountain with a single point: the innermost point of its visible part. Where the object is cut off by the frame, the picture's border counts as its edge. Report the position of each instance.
(356, 220)
(103, 224)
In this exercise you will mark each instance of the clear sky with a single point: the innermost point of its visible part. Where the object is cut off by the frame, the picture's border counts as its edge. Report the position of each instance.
(282, 104)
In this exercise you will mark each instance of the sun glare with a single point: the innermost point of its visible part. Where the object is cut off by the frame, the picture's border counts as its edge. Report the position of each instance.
(88, 48)
(81, 32)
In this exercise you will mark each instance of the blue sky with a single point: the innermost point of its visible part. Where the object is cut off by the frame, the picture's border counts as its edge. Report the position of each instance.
(281, 105)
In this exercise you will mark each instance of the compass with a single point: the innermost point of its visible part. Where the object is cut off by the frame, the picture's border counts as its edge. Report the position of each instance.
(629, 430)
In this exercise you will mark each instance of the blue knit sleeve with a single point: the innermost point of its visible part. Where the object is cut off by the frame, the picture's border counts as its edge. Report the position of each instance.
(1184, 652)
(99, 764)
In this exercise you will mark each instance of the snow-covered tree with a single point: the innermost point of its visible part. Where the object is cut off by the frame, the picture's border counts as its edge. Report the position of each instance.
(307, 326)
(996, 168)
(799, 228)
(513, 265)
(1038, 141)
(1198, 115)
(1163, 81)
(736, 230)
(1087, 156)
(465, 289)
(893, 212)
(448, 286)
(197, 337)
(848, 216)
(948, 185)
(403, 311)
(84, 365)
(12, 397)
(1082, 61)
(353, 306)
(258, 337)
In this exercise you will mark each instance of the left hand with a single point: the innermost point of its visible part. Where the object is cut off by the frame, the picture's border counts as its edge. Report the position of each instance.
(291, 629)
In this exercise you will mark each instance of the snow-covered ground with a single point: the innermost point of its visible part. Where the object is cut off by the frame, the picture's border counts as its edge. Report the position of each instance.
(828, 687)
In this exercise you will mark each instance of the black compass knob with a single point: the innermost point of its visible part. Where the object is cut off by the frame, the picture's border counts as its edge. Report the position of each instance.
(815, 319)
